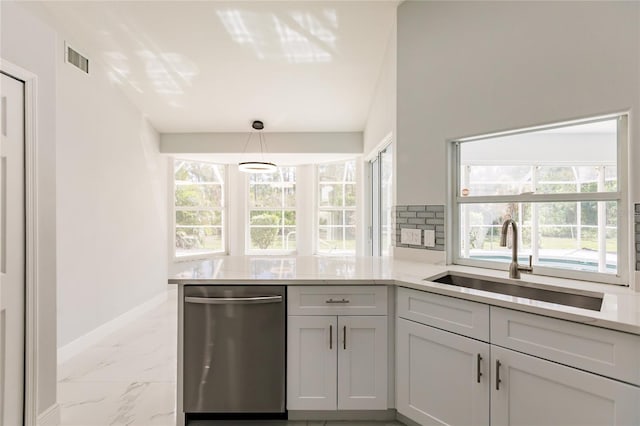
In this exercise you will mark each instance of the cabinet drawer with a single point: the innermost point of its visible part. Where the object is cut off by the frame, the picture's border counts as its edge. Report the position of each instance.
(606, 352)
(334, 300)
(448, 313)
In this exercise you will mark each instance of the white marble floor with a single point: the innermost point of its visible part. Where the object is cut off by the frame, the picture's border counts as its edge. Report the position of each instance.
(129, 378)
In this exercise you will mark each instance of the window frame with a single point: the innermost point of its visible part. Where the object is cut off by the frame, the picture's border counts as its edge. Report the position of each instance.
(224, 213)
(247, 218)
(344, 208)
(377, 230)
(455, 200)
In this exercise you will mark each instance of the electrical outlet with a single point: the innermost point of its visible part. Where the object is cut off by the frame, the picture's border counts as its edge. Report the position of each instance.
(429, 238)
(410, 236)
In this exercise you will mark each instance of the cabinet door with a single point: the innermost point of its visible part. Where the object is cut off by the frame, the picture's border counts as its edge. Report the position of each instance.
(442, 378)
(533, 391)
(311, 362)
(362, 363)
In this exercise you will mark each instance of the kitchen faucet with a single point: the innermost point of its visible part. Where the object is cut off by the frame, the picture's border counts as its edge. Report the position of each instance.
(514, 268)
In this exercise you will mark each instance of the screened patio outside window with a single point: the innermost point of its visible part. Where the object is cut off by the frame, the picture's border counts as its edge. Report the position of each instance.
(563, 187)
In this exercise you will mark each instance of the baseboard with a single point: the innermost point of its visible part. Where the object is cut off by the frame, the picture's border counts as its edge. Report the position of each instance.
(350, 415)
(50, 416)
(406, 420)
(73, 348)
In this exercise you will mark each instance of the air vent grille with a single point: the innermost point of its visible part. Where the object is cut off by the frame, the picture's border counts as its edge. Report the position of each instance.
(77, 60)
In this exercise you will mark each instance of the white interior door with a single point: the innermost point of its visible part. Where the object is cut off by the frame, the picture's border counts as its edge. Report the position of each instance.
(12, 248)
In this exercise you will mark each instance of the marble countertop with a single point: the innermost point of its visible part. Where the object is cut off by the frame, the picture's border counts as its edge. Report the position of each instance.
(620, 308)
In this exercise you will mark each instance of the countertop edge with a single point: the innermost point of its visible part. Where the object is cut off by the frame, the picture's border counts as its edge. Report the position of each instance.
(489, 299)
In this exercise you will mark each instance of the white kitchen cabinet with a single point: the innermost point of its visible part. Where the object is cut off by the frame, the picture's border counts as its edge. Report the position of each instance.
(458, 316)
(608, 353)
(325, 371)
(337, 300)
(337, 362)
(434, 365)
(533, 391)
(362, 363)
(442, 378)
(311, 362)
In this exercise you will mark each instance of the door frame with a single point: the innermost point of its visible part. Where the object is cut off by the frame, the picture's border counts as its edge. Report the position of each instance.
(31, 237)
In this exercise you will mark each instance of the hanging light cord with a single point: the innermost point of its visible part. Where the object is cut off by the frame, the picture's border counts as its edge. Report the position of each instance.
(247, 143)
(260, 140)
(261, 145)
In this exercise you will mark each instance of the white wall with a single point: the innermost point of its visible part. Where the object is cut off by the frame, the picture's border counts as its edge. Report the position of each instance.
(468, 68)
(380, 128)
(112, 215)
(276, 143)
(30, 44)
(381, 120)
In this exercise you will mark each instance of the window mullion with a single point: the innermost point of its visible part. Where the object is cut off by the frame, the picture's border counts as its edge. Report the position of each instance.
(602, 225)
(535, 237)
(541, 198)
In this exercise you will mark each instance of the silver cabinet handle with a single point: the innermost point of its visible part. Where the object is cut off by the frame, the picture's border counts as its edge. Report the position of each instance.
(330, 337)
(343, 300)
(344, 341)
(479, 373)
(498, 375)
(233, 300)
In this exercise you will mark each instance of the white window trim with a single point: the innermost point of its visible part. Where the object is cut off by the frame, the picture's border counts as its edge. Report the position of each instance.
(622, 196)
(225, 215)
(374, 215)
(317, 207)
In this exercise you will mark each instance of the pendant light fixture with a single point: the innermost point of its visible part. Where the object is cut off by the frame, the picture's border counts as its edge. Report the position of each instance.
(257, 166)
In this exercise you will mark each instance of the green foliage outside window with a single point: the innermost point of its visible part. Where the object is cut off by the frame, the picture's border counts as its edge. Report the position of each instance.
(264, 237)
(199, 203)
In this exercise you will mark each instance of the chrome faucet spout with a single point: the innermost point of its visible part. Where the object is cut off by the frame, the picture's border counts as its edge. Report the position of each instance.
(514, 268)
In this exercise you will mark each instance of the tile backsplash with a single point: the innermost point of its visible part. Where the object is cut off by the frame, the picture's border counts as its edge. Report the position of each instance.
(637, 232)
(420, 217)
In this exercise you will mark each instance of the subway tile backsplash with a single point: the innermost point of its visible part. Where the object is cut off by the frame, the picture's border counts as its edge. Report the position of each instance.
(637, 232)
(429, 216)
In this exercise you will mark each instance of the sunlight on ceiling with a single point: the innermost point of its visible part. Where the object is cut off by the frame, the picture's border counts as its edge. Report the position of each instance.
(212, 66)
(303, 37)
(167, 73)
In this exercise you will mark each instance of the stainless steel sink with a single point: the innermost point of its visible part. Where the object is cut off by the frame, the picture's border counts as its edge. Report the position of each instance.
(583, 299)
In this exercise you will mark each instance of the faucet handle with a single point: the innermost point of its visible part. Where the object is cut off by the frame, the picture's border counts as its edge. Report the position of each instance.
(527, 268)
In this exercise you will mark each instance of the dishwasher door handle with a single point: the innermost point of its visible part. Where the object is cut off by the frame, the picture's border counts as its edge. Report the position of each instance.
(233, 300)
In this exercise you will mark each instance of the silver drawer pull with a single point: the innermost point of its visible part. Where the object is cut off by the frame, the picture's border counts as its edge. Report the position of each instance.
(233, 300)
(337, 301)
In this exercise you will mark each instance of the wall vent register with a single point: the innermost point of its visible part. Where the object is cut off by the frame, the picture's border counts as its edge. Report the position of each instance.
(76, 59)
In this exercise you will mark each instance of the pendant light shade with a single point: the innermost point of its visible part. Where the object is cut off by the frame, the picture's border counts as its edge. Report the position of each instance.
(257, 166)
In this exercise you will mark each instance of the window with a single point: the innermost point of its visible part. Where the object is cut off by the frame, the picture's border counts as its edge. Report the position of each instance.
(382, 234)
(272, 211)
(199, 205)
(337, 208)
(563, 186)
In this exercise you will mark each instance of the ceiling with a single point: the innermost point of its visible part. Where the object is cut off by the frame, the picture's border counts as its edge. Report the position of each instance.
(209, 66)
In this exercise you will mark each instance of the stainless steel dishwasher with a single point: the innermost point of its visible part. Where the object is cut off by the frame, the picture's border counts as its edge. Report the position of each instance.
(234, 350)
